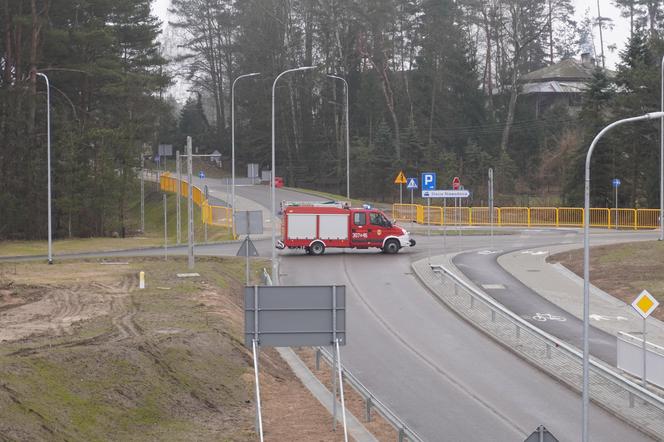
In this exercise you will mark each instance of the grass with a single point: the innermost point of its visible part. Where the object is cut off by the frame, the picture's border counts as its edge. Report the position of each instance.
(152, 237)
(623, 270)
(183, 377)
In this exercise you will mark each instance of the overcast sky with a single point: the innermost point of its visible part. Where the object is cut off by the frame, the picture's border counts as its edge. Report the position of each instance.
(617, 36)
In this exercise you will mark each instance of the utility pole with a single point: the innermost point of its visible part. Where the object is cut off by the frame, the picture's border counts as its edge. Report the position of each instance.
(178, 214)
(48, 163)
(491, 203)
(165, 227)
(142, 193)
(190, 209)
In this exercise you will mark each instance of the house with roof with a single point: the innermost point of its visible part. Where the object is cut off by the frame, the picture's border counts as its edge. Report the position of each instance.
(562, 83)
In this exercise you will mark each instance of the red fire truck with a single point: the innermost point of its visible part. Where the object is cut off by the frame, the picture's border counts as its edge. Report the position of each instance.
(315, 226)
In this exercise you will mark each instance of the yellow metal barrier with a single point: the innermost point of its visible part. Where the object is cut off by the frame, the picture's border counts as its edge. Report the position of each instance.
(433, 215)
(514, 216)
(528, 216)
(213, 215)
(404, 212)
(623, 218)
(600, 218)
(479, 216)
(543, 216)
(647, 218)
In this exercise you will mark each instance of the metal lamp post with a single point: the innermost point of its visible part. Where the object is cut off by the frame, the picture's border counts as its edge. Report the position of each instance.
(347, 135)
(586, 262)
(273, 193)
(48, 162)
(661, 160)
(253, 74)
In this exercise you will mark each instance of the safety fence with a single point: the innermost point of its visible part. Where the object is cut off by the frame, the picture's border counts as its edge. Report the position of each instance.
(211, 214)
(527, 216)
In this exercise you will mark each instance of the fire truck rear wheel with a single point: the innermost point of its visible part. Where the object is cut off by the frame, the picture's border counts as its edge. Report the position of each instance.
(391, 246)
(317, 248)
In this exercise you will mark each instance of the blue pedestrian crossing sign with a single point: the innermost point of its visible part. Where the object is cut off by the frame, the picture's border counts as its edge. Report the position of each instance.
(411, 183)
(429, 181)
(201, 174)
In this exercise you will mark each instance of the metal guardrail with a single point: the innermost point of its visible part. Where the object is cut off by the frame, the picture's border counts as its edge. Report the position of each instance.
(609, 389)
(371, 402)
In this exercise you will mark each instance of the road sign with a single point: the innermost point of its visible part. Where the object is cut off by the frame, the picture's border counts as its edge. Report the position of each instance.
(242, 251)
(429, 181)
(294, 316)
(201, 174)
(541, 434)
(616, 182)
(248, 222)
(400, 179)
(445, 193)
(645, 303)
(456, 182)
(411, 183)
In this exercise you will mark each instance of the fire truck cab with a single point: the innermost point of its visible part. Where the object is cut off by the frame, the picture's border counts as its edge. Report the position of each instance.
(317, 226)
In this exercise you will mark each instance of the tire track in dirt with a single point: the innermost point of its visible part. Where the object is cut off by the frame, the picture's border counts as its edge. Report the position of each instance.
(122, 307)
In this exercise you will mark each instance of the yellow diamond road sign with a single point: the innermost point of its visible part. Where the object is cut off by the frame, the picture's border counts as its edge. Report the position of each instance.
(400, 179)
(645, 303)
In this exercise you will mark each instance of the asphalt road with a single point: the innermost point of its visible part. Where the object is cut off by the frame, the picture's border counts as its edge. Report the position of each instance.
(443, 377)
(487, 274)
(447, 380)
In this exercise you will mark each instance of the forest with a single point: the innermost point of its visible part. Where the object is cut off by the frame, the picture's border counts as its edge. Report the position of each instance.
(434, 85)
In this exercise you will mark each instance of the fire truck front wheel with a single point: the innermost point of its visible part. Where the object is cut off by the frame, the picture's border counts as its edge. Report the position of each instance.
(317, 248)
(391, 246)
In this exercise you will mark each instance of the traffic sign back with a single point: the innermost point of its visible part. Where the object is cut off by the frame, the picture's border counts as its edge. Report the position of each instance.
(412, 183)
(400, 179)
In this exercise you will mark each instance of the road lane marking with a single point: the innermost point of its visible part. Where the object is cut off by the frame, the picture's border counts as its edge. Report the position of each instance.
(493, 286)
(543, 317)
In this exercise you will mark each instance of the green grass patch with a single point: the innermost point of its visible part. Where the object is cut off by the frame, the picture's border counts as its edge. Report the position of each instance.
(182, 376)
(152, 237)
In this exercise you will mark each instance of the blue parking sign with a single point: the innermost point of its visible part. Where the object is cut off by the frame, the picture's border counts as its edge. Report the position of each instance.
(428, 181)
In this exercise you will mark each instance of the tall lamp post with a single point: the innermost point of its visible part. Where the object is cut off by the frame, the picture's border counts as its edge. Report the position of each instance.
(253, 74)
(661, 160)
(347, 136)
(48, 162)
(273, 193)
(586, 262)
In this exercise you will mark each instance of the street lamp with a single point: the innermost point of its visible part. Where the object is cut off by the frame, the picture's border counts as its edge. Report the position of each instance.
(661, 161)
(273, 192)
(586, 261)
(347, 136)
(253, 74)
(48, 162)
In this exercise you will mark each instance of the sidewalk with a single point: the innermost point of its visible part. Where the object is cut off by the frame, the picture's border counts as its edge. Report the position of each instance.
(559, 285)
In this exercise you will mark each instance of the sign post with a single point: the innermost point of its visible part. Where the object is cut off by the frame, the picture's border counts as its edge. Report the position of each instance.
(428, 185)
(205, 220)
(616, 183)
(400, 180)
(165, 228)
(178, 215)
(190, 210)
(491, 203)
(644, 304)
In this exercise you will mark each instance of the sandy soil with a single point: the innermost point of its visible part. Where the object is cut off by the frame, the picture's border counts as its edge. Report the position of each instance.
(64, 307)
